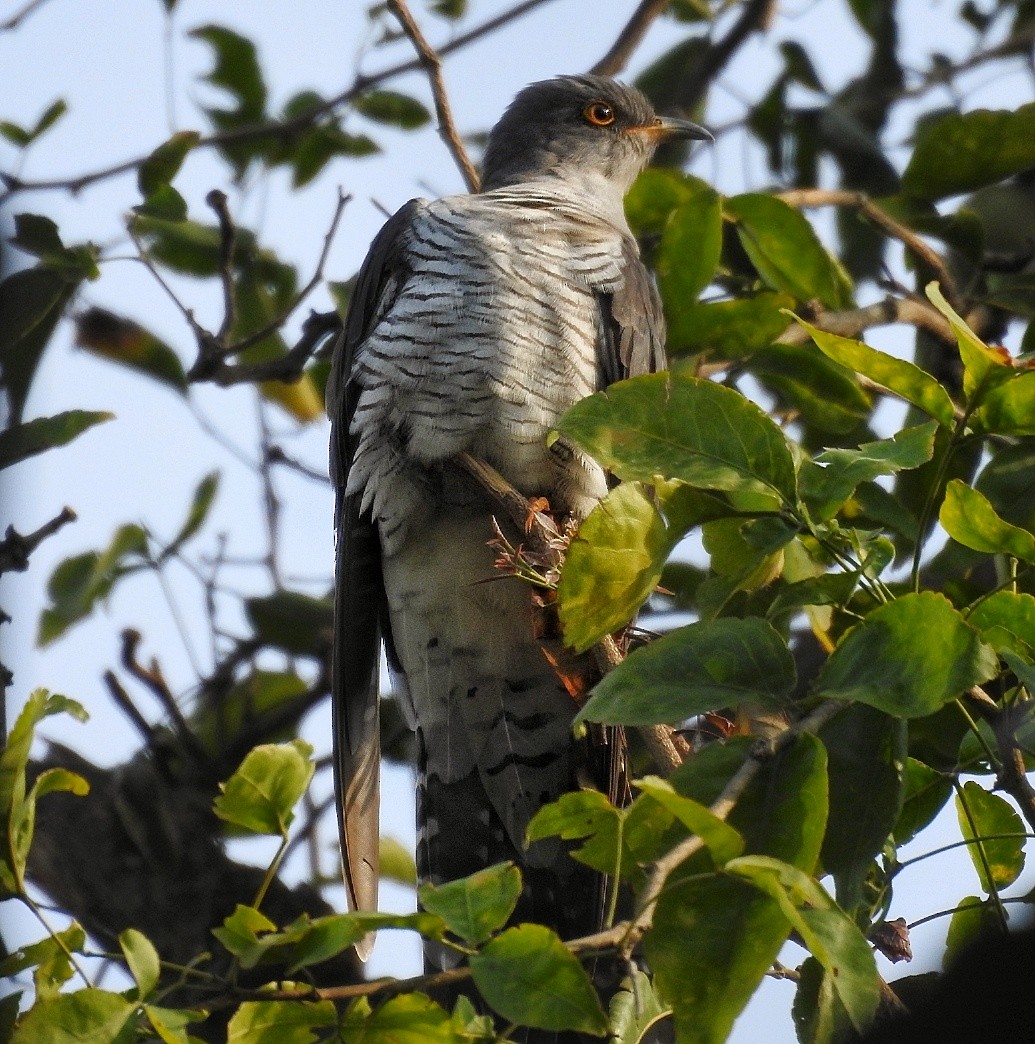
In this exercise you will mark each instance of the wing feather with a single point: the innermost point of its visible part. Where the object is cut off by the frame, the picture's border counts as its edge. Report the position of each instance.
(360, 616)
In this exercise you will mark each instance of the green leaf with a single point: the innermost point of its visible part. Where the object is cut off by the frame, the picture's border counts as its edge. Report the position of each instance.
(998, 860)
(475, 906)
(17, 809)
(295, 622)
(678, 427)
(396, 862)
(529, 977)
(970, 919)
(1006, 620)
(866, 753)
(122, 341)
(719, 837)
(411, 1018)
(636, 1009)
(737, 931)
(256, 695)
(655, 195)
(831, 936)
(399, 110)
(730, 329)
(586, 814)
(1001, 399)
(903, 378)
(828, 480)
(825, 393)
(239, 933)
(237, 71)
(171, 1023)
(22, 137)
(968, 517)
(165, 202)
(88, 1016)
(26, 440)
(320, 145)
(142, 959)
(963, 151)
(691, 244)
(693, 670)
(261, 794)
(31, 302)
(827, 589)
(49, 960)
(164, 163)
(925, 795)
(613, 564)
(78, 583)
(785, 249)
(200, 505)
(39, 236)
(280, 1022)
(880, 662)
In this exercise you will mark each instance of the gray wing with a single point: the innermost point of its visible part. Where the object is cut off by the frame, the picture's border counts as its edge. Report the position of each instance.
(632, 323)
(360, 615)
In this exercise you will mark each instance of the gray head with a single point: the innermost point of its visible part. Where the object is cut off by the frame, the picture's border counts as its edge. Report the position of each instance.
(578, 126)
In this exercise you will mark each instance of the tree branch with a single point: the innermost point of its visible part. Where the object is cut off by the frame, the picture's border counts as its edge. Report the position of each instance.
(629, 38)
(432, 64)
(274, 128)
(854, 321)
(806, 198)
(15, 548)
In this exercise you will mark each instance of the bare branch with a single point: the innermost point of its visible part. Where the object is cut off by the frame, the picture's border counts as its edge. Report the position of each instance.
(432, 64)
(854, 321)
(629, 38)
(860, 201)
(124, 702)
(16, 548)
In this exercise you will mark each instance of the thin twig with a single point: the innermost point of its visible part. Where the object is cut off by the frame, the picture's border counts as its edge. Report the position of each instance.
(285, 129)
(227, 244)
(153, 678)
(270, 499)
(276, 455)
(629, 38)
(1013, 776)
(125, 703)
(431, 61)
(19, 16)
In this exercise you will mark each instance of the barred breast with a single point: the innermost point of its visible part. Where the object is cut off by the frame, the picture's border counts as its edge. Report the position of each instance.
(490, 338)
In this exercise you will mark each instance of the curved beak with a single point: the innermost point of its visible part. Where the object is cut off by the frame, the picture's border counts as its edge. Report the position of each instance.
(665, 128)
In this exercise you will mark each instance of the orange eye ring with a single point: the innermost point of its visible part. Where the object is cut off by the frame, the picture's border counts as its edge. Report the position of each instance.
(599, 114)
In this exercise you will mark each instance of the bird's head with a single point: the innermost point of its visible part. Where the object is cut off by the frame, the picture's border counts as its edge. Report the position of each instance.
(580, 127)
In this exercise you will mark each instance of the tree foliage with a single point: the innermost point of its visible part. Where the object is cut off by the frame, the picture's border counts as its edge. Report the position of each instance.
(860, 648)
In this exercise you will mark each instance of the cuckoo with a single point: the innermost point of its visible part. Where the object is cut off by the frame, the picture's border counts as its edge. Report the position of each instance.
(475, 322)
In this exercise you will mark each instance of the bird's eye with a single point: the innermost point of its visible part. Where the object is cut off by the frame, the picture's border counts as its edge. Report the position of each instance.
(599, 114)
